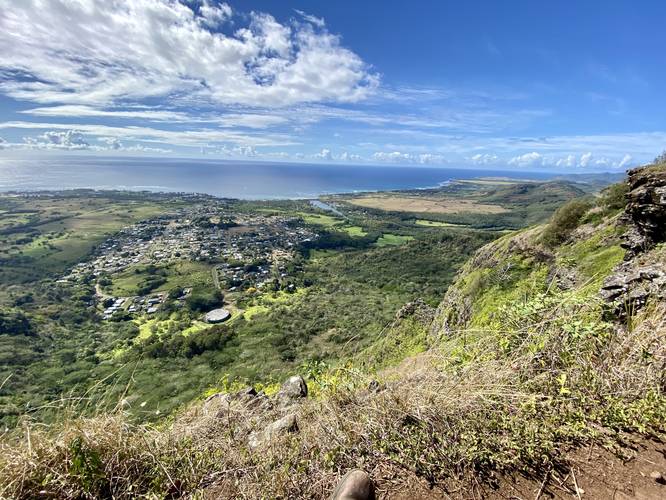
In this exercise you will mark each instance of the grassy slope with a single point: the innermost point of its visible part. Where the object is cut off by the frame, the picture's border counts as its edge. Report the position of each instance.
(503, 390)
(519, 370)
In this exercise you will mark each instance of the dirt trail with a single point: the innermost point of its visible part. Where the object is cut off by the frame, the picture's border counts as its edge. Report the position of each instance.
(594, 473)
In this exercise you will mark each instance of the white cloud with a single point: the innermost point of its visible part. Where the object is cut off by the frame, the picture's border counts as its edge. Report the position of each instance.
(250, 120)
(70, 139)
(483, 159)
(626, 160)
(196, 138)
(214, 15)
(74, 140)
(112, 142)
(324, 154)
(568, 161)
(98, 52)
(401, 157)
(231, 120)
(392, 157)
(350, 157)
(72, 110)
(585, 159)
(527, 160)
(248, 151)
(317, 21)
(429, 158)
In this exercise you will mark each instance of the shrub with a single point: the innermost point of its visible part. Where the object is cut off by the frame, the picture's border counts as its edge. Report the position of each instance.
(564, 221)
(15, 323)
(614, 196)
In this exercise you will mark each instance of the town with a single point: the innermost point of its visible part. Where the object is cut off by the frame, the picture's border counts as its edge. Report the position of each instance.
(246, 251)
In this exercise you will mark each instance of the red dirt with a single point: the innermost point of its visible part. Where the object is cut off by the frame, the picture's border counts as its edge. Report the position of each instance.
(594, 473)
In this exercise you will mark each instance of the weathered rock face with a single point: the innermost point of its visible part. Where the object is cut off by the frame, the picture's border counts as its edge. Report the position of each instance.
(630, 287)
(418, 310)
(643, 274)
(646, 209)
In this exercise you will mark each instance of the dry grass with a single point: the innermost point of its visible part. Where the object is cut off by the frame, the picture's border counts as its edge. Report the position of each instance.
(467, 407)
(420, 204)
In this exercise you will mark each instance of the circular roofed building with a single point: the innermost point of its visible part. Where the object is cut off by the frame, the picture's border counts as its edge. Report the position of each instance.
(217, 316)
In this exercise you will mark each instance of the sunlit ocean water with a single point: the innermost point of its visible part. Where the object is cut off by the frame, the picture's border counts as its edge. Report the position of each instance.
(245, 180)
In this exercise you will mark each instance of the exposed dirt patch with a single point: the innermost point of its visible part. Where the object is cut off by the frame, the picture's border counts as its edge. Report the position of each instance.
(594, 473)
(425, 205)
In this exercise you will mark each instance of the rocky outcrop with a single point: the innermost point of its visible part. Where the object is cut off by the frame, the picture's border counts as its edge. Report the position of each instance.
(418, 310)
(453, 313)
(646, 209)
(221, 404)
(293, 389)
(257, 417)
(264, 437)
(631, 286)
(643, 274)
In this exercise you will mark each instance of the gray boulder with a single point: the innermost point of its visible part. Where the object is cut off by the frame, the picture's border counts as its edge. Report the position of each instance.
(263, 438)
(221, 404)
(293, 389)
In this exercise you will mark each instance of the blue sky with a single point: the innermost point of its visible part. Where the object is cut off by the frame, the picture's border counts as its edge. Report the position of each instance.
(569, 85)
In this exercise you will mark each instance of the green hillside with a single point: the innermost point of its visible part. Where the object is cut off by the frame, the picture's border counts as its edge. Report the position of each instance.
(550, 340)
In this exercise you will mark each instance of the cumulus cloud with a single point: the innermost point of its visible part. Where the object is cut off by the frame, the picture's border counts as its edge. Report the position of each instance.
(214, 15)
(350, 157)
(568, 161)
(585, 159)
(626, 160)
(429, 158)
(69, 139)
(112, 142)
(484, 159)
(393, 157)
(324, 154)
(97, 52)
(527, 160)
(248, 151)
(3, 143)
(400, 157)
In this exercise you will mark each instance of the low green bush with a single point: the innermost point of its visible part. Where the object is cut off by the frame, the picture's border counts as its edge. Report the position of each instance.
(564, 221)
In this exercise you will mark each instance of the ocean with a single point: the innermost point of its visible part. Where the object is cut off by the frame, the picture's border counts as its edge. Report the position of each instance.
(245, 180)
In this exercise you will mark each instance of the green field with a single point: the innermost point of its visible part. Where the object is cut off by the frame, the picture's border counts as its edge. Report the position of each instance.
(60, 231)
(178, 274)
(434, 223)
(388, 239)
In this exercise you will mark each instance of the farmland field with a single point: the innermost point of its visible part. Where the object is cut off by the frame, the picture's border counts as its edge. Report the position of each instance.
(425, 205)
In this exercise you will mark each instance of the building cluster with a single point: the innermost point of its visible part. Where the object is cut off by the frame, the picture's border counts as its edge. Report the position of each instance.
(248, 250)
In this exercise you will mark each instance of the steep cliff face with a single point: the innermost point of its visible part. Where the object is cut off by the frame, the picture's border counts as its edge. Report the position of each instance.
(646, 209)
(615, 257)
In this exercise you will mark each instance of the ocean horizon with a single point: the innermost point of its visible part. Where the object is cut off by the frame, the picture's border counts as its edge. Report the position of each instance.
(230, 179)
